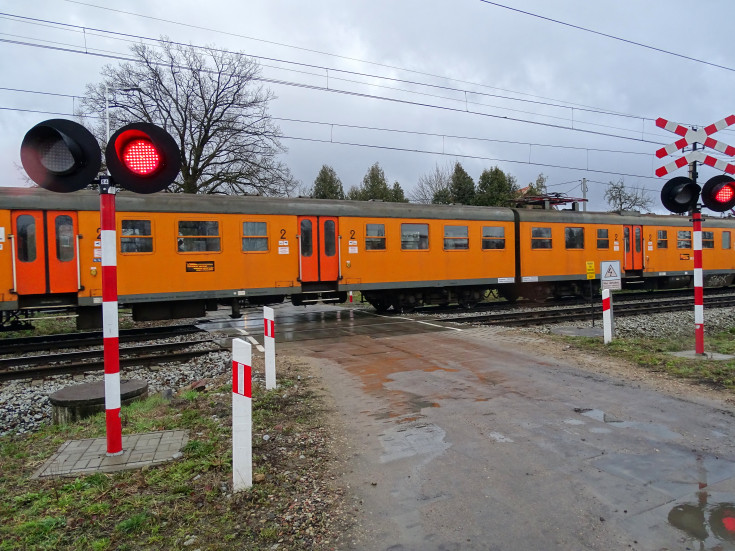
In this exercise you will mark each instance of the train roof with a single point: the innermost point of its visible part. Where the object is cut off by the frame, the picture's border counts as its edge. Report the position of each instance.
(36, 198)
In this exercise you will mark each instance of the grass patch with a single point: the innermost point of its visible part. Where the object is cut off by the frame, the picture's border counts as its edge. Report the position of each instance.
(188, 501)
(656, 355)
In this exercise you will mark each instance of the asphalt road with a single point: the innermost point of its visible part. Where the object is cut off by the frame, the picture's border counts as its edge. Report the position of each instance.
(459, 440)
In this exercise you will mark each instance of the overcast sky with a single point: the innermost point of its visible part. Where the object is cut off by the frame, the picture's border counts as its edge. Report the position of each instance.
(448, 80)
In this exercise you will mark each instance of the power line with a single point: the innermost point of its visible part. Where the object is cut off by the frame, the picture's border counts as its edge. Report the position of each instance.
(613, 37)
(358, 94)
(329, 54)
(389, 148)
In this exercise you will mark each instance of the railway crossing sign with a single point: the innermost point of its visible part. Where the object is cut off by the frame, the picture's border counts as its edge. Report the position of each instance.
(610, 270)
(690, 136)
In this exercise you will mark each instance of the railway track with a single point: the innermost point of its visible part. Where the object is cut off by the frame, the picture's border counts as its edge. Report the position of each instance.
(88, 359)
(540, 315)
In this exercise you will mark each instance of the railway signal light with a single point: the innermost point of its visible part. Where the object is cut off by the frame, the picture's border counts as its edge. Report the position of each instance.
(60, 155)
(718, 194)
(680, 195)
(143, 158)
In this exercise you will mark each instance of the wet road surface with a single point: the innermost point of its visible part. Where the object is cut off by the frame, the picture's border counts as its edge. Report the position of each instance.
(474, 439)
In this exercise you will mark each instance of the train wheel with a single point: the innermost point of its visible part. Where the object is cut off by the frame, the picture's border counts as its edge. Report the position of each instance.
(380, 304)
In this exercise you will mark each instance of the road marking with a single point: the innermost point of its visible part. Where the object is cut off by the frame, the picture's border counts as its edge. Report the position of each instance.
(252, 340)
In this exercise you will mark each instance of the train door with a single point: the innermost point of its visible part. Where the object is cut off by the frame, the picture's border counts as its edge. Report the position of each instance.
(633, 244)
(319, 248)
(45, 252)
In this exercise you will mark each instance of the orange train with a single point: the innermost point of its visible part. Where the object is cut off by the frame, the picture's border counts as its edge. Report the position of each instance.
(178, 253)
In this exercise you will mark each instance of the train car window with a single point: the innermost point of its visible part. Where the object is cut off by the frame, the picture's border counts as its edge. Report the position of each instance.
(456, 238)
(574, 238)
(198, 236)
(136, 236)
(540, 238)
(626, 239)
(493, 237)
(603, 238)
(254, 237)
(726, 240)
(64, 238)
(306, 238)
(708, 240)
(26, 226)
(663, 239)
(414, 236)
(638, 239)
(683, 240)
(330, 238)
(374, 237)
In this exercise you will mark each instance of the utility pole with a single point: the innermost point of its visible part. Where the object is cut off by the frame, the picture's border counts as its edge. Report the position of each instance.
(584, 194)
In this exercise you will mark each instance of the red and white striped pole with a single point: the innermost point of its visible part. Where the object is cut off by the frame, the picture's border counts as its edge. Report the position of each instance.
(698, 284)
(242, 415)
(110, 333)
(269, 340)
(606, 316)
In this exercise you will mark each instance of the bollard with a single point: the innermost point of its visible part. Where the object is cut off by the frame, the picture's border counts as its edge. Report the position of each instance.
(242, 416)
(269, 340)
(607, 315)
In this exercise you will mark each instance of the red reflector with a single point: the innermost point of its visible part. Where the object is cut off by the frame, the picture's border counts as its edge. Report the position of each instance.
(725, 194)
(141, 157)
(729, 523)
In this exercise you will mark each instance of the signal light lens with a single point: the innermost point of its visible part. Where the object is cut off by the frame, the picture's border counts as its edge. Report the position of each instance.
(55, 156)
(141, 157)
(718, 194)
(725, 194)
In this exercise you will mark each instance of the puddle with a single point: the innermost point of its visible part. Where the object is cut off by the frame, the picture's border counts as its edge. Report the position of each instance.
(707, 523)
(662, 432)
(403, 441)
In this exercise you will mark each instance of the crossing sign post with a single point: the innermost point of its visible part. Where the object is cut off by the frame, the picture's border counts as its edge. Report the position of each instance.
(610, 270)
(682, 194)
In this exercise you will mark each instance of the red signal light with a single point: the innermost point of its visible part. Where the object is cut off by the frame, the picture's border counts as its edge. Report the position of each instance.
(141, 157)
(718, 194)
(725, 194)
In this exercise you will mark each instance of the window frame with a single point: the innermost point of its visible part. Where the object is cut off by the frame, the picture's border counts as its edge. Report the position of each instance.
(537, 241)
(371, 240)
(727, 236)
(457, 239)
(662, 239)
(708, 239)
(418, 240)
(254, 237)
(603, 238)
(486, 239)
(573, 233)
(683, 236)
(180, 236)
(134, 237)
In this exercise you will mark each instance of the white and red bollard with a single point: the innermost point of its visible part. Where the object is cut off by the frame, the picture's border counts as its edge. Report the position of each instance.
(110, 330)
(269, 341)
(242, 416)
(607, 317)
(698, 285)
(350, 297)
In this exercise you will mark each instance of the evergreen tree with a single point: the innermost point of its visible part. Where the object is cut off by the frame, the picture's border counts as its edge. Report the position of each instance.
(375, 186)
(327, 185)
(495, 188)
(538, 187)
(397, 195)
(461, 186)
(442, 196)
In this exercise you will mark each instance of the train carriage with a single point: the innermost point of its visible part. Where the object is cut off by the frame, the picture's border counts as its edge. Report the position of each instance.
(177, 253)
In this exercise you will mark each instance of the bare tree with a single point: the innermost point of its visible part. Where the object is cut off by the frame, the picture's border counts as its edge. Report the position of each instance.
(429, 184)
(212, 104)
(620, 197)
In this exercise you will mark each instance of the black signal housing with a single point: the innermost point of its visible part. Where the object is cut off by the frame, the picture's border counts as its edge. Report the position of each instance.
(680, 195)
(143, 158)
(60, 155)
(718, 194)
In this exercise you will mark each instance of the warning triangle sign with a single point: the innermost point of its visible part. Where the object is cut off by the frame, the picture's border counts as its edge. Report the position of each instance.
(610, 272)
